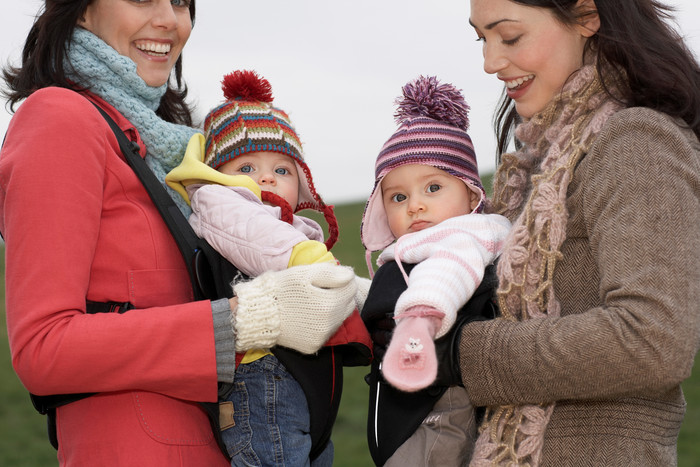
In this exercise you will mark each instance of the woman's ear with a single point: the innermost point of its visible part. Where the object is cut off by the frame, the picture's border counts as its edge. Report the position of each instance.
(589, 20)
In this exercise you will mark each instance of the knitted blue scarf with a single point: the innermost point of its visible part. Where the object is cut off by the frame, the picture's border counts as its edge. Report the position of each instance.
(113, 77)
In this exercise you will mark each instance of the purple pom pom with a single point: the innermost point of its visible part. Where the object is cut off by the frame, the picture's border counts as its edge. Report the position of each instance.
(426, 97)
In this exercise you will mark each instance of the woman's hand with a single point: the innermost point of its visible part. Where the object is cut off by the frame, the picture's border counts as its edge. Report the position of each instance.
(300, 307)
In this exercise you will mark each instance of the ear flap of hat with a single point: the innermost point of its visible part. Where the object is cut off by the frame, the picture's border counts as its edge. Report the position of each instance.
(307, 197)
(374, 230)
(310, 199)
(480, 192)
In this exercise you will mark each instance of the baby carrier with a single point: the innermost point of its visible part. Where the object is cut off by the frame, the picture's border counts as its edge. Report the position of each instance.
(394, 415)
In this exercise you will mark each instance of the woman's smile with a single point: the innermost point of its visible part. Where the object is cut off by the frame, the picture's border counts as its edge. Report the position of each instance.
(515, 88)
(153, 48)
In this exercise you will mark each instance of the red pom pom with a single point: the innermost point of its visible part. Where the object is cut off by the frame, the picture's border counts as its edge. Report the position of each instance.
(246, 85)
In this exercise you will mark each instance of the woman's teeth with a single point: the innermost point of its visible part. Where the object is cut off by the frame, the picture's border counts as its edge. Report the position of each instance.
(154, 48)
(518, 82)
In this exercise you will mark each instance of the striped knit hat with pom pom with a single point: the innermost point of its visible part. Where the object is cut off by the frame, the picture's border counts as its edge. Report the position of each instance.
(433, 122)
(248, 122)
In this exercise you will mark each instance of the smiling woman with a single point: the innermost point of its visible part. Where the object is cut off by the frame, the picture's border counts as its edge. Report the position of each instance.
(598, 286)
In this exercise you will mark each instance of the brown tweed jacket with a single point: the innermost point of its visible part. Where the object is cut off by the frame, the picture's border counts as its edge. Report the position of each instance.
(629, 288)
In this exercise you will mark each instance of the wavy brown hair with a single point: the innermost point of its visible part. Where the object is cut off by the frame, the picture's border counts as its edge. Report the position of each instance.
(652, 65)
(46, 48)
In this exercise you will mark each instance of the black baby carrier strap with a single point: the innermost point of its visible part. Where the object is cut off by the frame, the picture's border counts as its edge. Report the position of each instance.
(210, 273)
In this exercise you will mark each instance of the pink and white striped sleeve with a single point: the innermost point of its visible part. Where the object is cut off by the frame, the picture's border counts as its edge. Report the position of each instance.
(450, 260)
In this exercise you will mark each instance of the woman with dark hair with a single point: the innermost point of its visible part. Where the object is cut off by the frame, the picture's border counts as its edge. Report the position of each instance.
(80, 230)
(599, 280)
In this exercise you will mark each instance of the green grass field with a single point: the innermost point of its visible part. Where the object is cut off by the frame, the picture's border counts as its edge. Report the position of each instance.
(23, 441)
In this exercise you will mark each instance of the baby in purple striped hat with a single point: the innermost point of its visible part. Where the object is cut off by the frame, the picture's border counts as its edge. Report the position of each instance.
(425, 213)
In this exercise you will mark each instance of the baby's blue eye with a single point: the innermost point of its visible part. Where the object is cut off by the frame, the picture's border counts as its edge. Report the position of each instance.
(433, 188)
(246, 169)
(397, 198)
(281, 171)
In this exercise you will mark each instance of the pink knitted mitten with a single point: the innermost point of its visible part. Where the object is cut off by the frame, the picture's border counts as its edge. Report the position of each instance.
(410, 363)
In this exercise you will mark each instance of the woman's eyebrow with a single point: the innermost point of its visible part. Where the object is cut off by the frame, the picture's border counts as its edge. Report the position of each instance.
(494, 24)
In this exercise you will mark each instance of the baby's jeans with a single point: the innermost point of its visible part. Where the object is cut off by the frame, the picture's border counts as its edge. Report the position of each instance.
(271, 418)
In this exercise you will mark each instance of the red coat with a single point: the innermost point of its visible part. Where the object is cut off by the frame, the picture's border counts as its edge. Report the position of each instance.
(78, 224)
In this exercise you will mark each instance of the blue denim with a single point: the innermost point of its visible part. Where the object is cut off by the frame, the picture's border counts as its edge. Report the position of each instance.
(271, 419)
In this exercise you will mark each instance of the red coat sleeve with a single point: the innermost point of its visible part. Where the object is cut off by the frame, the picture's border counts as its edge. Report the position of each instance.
(78, 225)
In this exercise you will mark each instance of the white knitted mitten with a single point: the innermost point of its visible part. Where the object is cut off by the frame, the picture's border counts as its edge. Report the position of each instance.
(362, 290)
(300, 307)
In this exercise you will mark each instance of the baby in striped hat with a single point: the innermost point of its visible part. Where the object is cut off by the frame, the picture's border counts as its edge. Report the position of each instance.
(426, 209)
(251, 146)
(245, 179)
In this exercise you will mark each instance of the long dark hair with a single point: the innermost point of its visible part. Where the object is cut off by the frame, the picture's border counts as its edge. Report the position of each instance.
(45, 49)
(652, 66)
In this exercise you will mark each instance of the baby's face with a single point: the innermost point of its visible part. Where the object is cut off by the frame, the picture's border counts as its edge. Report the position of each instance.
(419, 196)
(272, 171)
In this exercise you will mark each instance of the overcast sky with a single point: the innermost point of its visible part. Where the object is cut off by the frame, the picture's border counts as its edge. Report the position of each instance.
(336, 67)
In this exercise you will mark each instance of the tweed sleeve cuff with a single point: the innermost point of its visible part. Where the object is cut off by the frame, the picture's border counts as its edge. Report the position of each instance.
(224, 339)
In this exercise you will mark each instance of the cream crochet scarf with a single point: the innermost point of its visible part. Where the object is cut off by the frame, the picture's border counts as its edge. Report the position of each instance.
(530, 189)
